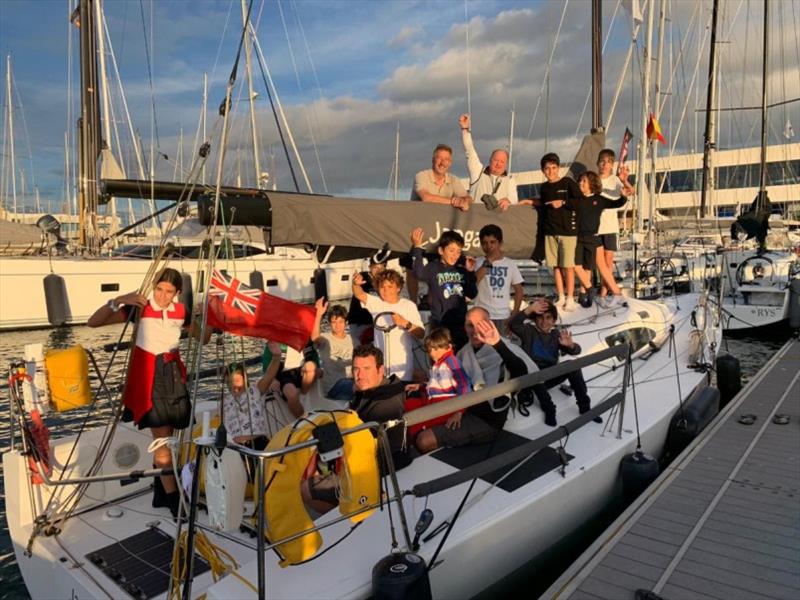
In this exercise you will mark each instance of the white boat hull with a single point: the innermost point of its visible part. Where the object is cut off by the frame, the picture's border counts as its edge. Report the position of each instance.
(501, 531)
(90, 282)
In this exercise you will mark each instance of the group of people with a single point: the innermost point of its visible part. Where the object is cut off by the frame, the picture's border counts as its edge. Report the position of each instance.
(579, 219)
(367, 359)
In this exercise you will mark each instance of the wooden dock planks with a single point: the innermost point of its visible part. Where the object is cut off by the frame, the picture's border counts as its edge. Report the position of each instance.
(723, 521)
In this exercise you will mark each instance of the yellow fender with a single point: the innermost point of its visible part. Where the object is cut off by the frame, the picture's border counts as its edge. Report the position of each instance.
(359, 481)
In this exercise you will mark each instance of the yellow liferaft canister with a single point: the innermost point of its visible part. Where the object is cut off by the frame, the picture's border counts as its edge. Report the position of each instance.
(68, 378)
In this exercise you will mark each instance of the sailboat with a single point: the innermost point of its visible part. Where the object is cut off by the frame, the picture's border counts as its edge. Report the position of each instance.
(481, 512)
(757, 288)
(79, 281)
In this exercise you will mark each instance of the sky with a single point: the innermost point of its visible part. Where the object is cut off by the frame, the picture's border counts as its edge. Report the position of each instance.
(348, 73)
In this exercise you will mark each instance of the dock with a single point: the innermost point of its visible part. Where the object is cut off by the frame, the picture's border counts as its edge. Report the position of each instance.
(722, 522)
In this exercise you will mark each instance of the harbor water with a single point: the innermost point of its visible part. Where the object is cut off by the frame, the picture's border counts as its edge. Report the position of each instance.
(753, 352)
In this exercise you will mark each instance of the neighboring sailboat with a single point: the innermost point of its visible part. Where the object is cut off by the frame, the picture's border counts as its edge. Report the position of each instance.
(92, 273)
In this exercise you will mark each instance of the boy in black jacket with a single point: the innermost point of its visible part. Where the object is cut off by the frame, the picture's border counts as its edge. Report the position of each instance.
(449, 284)
(544, 344)
(588, 210)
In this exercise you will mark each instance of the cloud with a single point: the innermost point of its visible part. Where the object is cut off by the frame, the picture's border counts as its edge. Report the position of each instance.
(405, 36)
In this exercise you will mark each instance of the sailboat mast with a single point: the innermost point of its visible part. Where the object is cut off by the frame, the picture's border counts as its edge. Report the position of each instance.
(10, 137)
(762, 179)
(642, 146)
(251, 95)
(88, 128)
(511, 137)
(597, 66)
(711, 117)
(662, 15)
(106, 122)
(396, 159)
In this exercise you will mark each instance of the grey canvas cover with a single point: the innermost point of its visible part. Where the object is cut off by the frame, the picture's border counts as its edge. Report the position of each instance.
(359, 228)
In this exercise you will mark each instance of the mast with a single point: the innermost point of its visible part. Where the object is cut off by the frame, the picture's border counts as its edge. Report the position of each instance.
(711, 118)
(511, 138)
(106, 122)
(10, 137)
(642, 146)
(88, 129)
(762, 178)
(597, 66)
(396, 159)
(662, 15)
(251, 95)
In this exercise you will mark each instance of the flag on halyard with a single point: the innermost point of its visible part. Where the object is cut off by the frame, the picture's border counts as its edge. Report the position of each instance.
(623, 150)
(241, 310)
(788, 131)
(654, 130)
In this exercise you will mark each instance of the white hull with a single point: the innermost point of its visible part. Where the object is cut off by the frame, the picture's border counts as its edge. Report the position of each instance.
(500, 532)
(92, 281)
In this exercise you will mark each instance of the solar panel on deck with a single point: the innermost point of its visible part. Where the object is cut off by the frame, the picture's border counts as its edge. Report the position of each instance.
(141, 564)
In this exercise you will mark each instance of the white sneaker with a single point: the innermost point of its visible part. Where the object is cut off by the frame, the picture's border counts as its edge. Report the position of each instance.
(616, 301)
(602, 301)
(561, 300)
(570, 304)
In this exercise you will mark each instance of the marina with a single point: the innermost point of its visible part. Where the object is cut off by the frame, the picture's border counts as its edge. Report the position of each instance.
(271, 382)
(722, 520)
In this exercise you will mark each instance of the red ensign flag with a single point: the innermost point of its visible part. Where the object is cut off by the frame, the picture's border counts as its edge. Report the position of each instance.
(242, 310)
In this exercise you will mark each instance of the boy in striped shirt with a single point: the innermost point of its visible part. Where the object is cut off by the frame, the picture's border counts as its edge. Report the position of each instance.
(447, 379)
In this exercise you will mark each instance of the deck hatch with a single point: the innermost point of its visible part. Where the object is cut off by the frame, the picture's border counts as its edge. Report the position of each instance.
(542, 462)
(140, 564)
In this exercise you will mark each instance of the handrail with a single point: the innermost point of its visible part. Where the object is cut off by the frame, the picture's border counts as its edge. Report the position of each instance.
(440, 409)
(515, 454)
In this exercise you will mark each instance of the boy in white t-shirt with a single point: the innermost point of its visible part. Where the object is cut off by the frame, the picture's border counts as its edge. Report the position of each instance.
(613, 187)
(497, 276)
(397, 321)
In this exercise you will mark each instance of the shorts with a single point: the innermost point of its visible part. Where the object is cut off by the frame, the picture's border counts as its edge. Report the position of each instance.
(586, 252)
(559, 250)
(608, 241)
(473, 430)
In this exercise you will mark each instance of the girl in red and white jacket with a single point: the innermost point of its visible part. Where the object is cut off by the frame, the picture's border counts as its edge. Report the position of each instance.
(155, 395)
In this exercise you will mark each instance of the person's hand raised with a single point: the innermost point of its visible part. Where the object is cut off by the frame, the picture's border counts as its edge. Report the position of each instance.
(464, 121)
(565, 338)
(487, 332)
(416, 237)
(321, 306)
(358, 278)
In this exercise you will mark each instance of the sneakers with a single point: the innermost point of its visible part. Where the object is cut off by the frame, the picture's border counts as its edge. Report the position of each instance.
(561, 300)
(550, 418)
(570, 304)
(615, 301)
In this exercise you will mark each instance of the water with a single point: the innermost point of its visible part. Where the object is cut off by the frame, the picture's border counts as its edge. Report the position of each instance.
(753, 352)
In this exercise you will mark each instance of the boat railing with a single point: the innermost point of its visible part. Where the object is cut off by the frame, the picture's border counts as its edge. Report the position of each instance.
(261, 457)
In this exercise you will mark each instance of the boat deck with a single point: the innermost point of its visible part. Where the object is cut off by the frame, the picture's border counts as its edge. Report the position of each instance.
(723, 521)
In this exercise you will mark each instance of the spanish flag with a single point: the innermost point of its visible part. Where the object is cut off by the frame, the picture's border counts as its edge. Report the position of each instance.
(654, 130)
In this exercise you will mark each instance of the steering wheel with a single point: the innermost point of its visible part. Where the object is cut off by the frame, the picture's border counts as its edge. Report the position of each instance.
(385, 328)
(763, 270)
(650, 268)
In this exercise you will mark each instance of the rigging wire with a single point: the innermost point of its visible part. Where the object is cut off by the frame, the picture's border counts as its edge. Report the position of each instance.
(268, 78)
(549, 65)
(300, 89)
